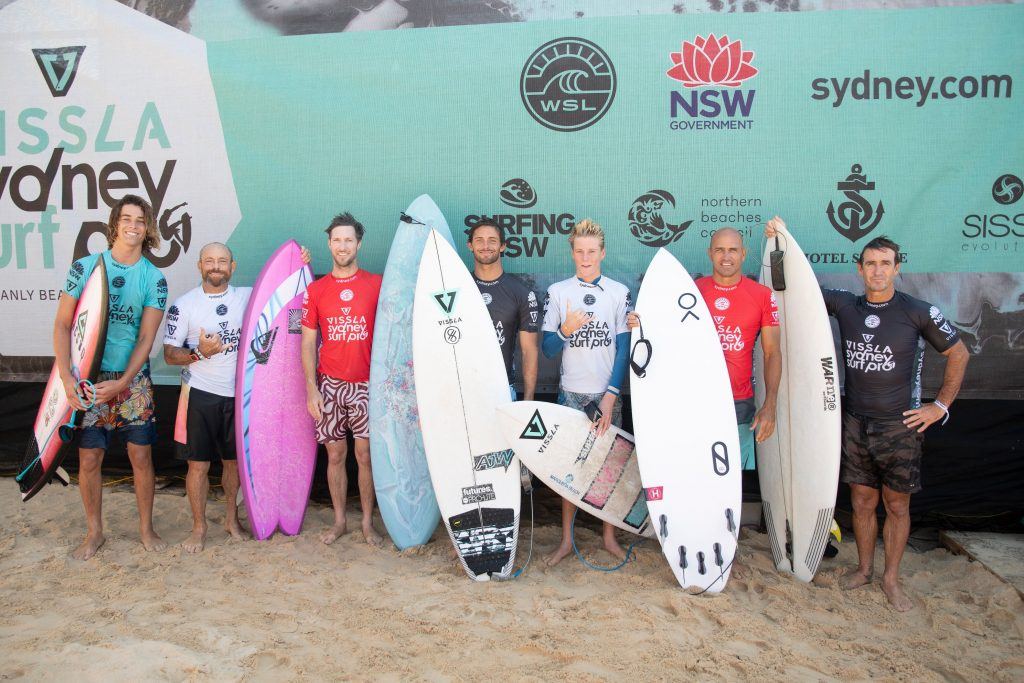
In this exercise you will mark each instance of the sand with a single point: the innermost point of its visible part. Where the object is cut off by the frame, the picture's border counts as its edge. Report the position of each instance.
(295, 609)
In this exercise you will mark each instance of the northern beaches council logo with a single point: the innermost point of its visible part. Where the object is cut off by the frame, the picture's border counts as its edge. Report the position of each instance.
(648, 225)
(568, 84)
(712, 71)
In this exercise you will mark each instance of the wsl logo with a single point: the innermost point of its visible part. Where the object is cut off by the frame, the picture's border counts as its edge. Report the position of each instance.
(855, 217)
(568, 84)
(59, 66)
(647, 224)
(526, 234)
(701, 64)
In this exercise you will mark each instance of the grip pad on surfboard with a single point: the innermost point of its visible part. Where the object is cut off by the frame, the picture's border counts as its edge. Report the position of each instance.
(484, 548)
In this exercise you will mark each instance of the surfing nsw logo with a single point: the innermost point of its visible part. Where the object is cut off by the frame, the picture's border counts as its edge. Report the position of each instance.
(59, 66)
(701, 64)
(647, 224)
(526, 234)
(568, 84)
(855, 217)
(262, 345)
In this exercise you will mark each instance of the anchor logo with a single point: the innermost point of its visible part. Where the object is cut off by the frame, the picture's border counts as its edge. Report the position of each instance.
(855, 217)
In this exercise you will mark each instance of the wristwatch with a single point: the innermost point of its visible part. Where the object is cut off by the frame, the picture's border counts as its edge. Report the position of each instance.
(196, 355)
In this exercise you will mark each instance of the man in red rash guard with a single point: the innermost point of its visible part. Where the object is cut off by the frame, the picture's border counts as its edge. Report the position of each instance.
(341, 307)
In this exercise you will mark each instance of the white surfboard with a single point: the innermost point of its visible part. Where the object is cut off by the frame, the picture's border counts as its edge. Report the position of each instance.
(460, 382)
(597, 474)
(798, 466)
(685, 428)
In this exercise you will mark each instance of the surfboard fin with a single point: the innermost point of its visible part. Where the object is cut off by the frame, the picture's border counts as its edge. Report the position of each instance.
(836, 532)
(718, 555)
(664, 526)
(61, 475)
(730, 523)
(701, 569)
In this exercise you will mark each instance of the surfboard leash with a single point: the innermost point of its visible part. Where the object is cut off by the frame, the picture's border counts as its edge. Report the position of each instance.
(629, 551)
(528, 487)
(65, 431)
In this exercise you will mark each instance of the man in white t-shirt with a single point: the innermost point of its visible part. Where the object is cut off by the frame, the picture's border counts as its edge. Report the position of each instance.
(585, 321)
(203, 330)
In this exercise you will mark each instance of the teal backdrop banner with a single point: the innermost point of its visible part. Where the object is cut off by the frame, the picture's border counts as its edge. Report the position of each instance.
(662, 128)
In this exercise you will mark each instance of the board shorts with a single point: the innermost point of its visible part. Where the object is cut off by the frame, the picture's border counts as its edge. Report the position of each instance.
(573, 399)
(209, 426)
(129, 414)
(881, 452)
(345, 410)
(745, 411)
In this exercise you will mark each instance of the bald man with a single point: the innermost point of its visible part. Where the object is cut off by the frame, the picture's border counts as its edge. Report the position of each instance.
(743, 309)
(203, 329)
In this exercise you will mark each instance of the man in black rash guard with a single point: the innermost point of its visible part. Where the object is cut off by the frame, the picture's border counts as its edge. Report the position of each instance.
(882, 336)
(512, 305)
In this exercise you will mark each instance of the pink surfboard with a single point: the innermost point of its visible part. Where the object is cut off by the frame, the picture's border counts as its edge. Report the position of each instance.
(274, 434)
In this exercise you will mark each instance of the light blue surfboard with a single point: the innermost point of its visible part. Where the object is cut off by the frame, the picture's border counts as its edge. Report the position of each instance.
(400, 475)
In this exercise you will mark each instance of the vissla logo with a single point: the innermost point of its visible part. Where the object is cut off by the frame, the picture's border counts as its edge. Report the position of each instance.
(1007, 189)
(647, 224)
(518, 194)
(262, 345)
(59, 66)
(855, 217)
(224, 326)
(535, 428)
(711, 61)
(867, 337)
(446, 300)
(872, 321)
(568, 84)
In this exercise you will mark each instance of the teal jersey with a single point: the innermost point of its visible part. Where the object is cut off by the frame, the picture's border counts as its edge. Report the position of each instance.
(132, 288)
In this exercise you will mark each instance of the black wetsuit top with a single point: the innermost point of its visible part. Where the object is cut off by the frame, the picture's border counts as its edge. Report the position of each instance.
(513, 308)
(883, 349)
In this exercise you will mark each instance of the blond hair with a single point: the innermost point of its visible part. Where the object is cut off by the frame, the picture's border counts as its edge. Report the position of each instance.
(586, 228)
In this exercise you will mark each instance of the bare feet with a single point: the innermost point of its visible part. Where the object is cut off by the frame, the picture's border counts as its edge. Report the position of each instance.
(334, 533)
(559, 554)
(897, 598)
(612, 546)
(371, 536)
(89, 547)
(854, 578)
(235, 530)
(196, 540)
(152, 542)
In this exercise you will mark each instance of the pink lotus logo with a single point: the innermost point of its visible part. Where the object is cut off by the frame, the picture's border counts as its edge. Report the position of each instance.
(711, 61)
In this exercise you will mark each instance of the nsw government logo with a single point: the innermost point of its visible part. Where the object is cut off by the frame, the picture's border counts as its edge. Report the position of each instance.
(568, 84)
(700, 65)
(855, 217)
(648, 225)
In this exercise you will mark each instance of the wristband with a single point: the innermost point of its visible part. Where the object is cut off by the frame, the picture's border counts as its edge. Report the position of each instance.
(944, 409)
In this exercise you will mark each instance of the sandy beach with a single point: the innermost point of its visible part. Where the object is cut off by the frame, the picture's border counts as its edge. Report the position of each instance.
(294, 609)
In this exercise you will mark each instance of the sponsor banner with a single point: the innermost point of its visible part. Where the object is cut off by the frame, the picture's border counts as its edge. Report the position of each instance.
(662, 128)
(101, 101)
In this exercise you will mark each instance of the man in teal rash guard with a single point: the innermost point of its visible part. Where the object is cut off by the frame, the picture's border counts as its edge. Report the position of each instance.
(122, 399)
(585, 321)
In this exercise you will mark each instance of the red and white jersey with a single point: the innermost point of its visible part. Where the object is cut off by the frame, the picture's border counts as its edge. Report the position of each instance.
(343, 310)
(739, 312)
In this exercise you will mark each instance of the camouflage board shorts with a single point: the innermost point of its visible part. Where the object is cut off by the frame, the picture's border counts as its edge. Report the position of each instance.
(577, 400)
(881, 451)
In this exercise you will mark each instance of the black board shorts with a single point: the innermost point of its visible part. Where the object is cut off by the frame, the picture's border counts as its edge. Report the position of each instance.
(881, 452)
(209, 426)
